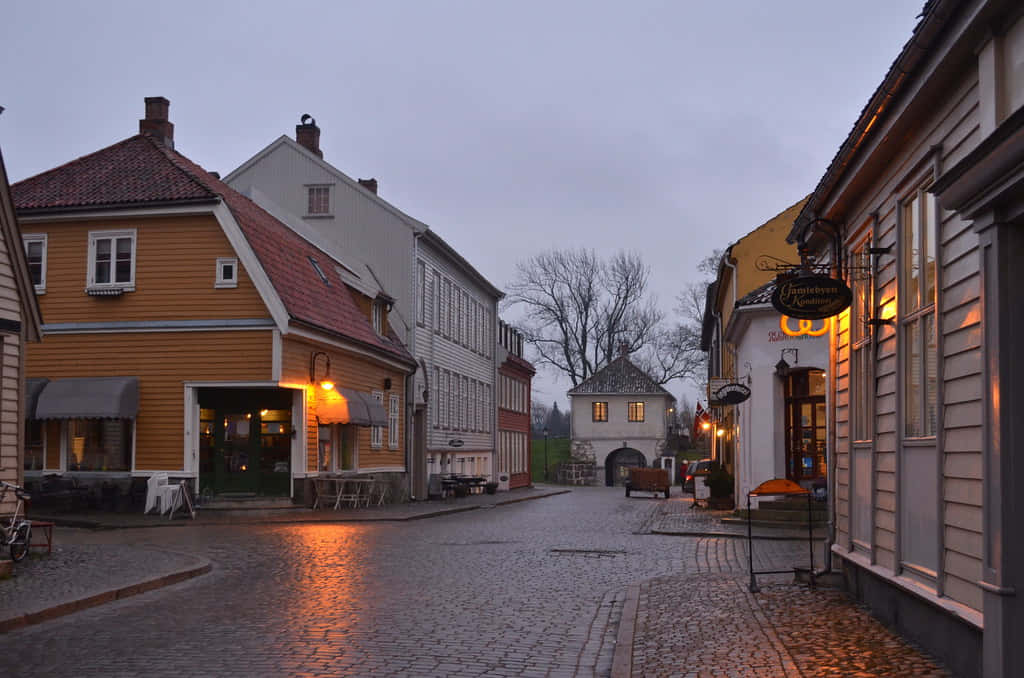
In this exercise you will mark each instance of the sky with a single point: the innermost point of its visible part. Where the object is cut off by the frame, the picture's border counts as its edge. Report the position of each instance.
(669, 128)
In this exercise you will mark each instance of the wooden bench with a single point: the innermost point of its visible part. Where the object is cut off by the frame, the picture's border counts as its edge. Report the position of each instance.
(648, 480)
(47, 529)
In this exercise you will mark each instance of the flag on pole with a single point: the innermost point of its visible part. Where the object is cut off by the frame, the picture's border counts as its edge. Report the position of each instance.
(700, 416)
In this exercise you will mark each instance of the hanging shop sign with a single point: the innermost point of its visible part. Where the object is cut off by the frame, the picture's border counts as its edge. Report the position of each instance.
(811, 297)
(732, 394)
(804, 327)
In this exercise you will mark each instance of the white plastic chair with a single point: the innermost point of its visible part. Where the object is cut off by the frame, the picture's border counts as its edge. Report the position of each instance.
(161, 494)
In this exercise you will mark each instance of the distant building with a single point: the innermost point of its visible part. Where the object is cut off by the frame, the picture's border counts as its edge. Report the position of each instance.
(515, 377)
(619, 419)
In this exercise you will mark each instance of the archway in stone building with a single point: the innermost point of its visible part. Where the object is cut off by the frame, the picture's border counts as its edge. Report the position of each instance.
(618, 463)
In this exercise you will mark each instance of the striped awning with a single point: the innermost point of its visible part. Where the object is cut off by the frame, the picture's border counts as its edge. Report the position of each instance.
(33, 387)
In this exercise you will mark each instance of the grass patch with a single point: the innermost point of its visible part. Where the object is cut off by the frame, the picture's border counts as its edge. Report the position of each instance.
(558, 451)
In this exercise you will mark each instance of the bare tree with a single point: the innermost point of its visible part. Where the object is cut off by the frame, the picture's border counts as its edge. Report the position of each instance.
(582, 310)
(690, 304)
(538, 416)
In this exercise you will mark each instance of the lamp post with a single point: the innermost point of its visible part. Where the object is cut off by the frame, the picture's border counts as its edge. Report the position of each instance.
(545, 454)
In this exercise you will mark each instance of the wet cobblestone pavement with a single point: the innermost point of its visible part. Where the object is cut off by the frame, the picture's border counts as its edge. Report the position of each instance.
(531, 589)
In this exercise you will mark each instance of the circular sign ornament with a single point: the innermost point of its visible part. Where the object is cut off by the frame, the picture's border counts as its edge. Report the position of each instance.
(811, 297)
(732, 394)
(804, 327)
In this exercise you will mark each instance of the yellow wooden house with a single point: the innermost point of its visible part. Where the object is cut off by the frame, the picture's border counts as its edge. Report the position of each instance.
(188, 331)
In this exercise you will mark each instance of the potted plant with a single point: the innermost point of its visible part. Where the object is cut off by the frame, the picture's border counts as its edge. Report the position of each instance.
(720, 483)
(491, 487)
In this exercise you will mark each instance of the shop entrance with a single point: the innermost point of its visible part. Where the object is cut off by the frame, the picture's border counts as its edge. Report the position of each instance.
(245, 441)
(805, 426)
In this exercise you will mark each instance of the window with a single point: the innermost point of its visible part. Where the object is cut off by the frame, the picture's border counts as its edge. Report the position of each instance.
(917, 294)
(436, 405)
(599, 411)
(319, 271)
(376, 315)
(99, 445)
(377, 432)
(437, 302)
(393, 422)
(487, 410)
(448, 308)
(35, 444)
(112, 260)
(319, 200)
(862, 385)
(636, 411)
(421, 280)
(35, 252)
(324, 447)
(227, 272)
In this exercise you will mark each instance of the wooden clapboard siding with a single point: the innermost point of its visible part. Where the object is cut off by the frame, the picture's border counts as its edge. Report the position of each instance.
(175, 272)
(162, 361)
(349, 369)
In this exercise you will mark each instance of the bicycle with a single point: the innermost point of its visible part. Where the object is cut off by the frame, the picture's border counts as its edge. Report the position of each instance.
(16, 533)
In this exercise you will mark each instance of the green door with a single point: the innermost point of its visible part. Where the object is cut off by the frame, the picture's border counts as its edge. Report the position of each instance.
(236, 453)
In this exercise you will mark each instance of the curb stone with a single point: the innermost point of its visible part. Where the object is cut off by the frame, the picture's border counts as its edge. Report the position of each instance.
(622, 661)
(118, 593)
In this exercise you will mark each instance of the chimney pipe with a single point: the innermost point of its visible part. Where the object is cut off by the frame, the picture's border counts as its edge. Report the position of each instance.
(156, 123)
(307, 134)
(369, 184)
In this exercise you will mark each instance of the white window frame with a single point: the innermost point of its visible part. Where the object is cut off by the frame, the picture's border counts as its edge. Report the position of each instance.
(34, 238)
(376, 317)
(421, 279)
(377, 432)
(861, 394)
(221, 281)
(393, 409)
(113, 236)
(330, 200)
(438, 307)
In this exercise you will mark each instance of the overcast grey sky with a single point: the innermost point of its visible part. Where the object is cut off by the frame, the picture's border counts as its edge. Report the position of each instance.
(670, 128)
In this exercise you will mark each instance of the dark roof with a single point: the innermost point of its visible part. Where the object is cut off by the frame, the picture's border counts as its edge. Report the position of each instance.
(620, 376)
(761, 295)
(164, 175)
(131, 172)
(513, 360)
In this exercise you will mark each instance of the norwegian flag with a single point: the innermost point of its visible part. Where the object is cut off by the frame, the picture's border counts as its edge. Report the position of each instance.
(700, 415)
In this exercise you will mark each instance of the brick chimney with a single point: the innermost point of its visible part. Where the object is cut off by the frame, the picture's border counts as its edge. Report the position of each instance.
(369, 184)
(308, 134)
(156, 123)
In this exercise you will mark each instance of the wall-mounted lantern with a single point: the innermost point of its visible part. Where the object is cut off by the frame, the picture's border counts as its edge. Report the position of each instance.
(326, 382)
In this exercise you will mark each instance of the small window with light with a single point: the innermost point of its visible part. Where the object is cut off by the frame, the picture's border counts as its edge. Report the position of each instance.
(599, 411)
(227, 272)
(636, 411)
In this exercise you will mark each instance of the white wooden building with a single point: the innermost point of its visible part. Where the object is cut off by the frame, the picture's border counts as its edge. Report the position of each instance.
(443, 309)
(922, 211)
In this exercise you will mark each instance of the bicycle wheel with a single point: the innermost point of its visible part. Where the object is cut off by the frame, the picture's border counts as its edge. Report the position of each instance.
(19, 545)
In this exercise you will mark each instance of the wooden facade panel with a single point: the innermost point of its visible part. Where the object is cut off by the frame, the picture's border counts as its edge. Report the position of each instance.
(961, 565)
(962, 365)
(964, 517)
(885, 501)
(163, 361)
(965, 291)
(886, 520)
(166, 287)
(962, 339)
(961, 317)
(962, 465)
(963, 440)
(885, 541)
(348, 369)
(885, 481)
(963, 414)
(963, 491)
(965, 543)
(885, 463)
(963, 591)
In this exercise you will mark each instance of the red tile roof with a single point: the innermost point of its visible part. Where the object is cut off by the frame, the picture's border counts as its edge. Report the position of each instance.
(164, 175)
(130, 172)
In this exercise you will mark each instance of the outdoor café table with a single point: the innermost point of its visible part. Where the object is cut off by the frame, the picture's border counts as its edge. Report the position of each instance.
(359, 490)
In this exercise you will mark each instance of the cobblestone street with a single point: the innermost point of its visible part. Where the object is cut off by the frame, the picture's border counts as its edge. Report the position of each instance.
(536, 588)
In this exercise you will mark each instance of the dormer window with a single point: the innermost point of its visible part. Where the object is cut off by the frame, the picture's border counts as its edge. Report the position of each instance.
(377, 316)
(319, 271)
(111, 260)
(319, 201)
(227, 272)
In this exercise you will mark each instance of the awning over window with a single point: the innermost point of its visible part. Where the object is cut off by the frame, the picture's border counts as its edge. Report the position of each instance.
(348, 406)
(89, 398)
(33, 387)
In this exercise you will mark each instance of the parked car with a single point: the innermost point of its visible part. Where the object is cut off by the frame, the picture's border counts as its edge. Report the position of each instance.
(695, 467)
